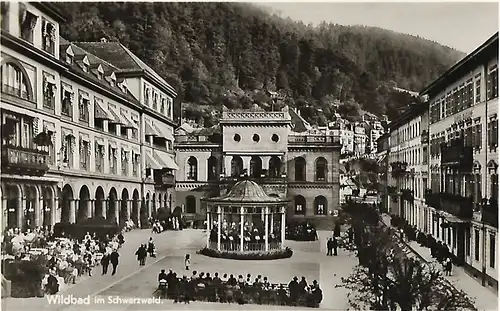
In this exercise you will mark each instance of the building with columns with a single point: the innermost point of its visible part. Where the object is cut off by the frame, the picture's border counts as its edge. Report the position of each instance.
(275, 149)
(87, 128)
(451, 142)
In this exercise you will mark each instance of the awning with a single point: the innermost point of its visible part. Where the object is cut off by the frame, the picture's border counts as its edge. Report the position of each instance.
(49, 127)
(164, 132)
(100, 112)
(149, 130)
(166, 160)
(115, 117)
(152, 163)
(454, 219)
(128, 122)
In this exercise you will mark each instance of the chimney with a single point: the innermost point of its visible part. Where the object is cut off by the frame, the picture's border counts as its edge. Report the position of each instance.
(104, 40)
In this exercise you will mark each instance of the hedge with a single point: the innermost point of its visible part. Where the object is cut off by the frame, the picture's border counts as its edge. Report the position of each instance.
(258, 255)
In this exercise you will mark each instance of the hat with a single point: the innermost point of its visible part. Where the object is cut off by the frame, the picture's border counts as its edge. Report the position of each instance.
(295, 278)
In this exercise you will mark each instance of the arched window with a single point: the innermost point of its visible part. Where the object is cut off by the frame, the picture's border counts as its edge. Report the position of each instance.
(192, 169)
(320, 205)
(321, 169)
(274, 167)
(190, 204)
(492, 170)
(300, 205)
(255, 166)
(236, 166)
(300, 169)
(212, 168)
(15, 80)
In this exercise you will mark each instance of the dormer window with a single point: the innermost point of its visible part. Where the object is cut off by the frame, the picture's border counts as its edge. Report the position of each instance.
(49, 37)
(28, 22)
(112, 79)
(84, 63)
(100, 75)
(69, 55)
(99, 72)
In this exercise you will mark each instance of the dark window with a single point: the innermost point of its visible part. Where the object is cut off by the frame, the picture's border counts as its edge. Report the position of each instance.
(256, 138)
(492, 250)
(300, 205)
(320, 205)
(274, 167)
(300, 169)
(255, 166)
(28, 23)
(237, 137)
(212, 168)
(192, 169)
(476, 244)
(321, 169)
(190, 204)
(275, 138)
(467, 241)
(494, 187)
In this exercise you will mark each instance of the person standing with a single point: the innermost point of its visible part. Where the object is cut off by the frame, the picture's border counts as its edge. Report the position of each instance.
(329, 246)
(141, 254)
(151, 247)
(187, 261)
(105, 263)
(114, 260)
(334, 246)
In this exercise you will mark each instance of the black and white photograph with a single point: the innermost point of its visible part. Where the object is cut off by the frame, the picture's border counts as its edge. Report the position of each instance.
(249, 156)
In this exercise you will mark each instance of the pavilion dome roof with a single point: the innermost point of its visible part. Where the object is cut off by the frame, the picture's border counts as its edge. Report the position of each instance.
(247, 191)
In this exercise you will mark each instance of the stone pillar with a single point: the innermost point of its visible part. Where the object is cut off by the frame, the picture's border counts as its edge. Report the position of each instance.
(246, 163)
(242, 230)
(55, 213)
(209, 231)
(38, 207)
(91, 208)
(272, 222)
(72, 210)
(227, 165)
(118, 206)
(219, 224)
(5, 212)
(283, 169)
(263, 214)
(21, 207)
(265, 162)
(266, 231)
(282, 227)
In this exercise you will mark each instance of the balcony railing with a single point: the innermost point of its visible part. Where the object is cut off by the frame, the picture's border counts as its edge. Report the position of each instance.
(399, 168)
(263, 179)
(16, 92)
(247, 247)
(457, 205)
(168, 179)
(314, 139)
(424, 138)
(24, 161)
(455, 154)
(433, 199)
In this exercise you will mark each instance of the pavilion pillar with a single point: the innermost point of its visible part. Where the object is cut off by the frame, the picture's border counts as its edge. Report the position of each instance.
(246, 163)
(242, 231)
(266, 231)
(282, 227)
(91, 209)
(272, 222)
(72, 211)
(262, 214)
(219, 223)
(227, 165)
(209, 231)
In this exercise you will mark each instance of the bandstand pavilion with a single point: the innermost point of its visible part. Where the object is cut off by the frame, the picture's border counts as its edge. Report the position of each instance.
(246, 219)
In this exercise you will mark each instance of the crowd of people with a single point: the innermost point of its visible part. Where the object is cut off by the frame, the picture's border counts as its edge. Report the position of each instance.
(230, 289)
(64, 259)
(301, 232)
(172, 223)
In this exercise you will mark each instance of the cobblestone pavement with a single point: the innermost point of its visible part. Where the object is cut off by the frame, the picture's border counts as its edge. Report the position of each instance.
(131, 281)
(484, 298)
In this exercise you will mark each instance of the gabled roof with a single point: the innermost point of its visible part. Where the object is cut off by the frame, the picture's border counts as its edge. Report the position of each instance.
(121, 57)
(81, 54)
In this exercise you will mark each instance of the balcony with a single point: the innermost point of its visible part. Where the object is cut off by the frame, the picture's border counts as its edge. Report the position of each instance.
(455, 154)
(399, 168)
(24, 161)
(314, 140)
(424, 138)
(433, 199)
(407, 195)
(487, 212)
(168, 180)
(457, 205)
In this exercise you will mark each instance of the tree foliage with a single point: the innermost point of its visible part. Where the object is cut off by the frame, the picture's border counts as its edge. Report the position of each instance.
(225, 53)
(386, 278)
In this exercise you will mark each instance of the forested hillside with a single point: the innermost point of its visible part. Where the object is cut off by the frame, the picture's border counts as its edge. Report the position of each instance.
(231, 53)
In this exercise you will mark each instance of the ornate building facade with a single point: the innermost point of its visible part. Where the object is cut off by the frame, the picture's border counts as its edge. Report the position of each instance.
(86, 127)
(267, 148)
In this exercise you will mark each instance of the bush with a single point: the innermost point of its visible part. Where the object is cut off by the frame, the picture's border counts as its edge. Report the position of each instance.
(26, 276)
(271, 255)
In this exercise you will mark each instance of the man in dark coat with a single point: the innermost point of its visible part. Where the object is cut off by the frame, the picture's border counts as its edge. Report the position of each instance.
(141, 254)
(334, 245)
(114, 260)
(293, 286)
(329, 247)
(105, 263)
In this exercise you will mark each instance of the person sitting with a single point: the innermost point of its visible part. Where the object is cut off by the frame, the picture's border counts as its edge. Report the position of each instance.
(162, 276)
(52, 286)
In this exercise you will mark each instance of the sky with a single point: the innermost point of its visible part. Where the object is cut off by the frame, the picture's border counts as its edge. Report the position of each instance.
(460, 25)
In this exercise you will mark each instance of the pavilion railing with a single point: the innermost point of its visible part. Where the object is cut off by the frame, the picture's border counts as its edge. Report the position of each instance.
(247, 247)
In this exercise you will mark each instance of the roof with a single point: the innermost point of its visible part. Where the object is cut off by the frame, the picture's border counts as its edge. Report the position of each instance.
(298, 123)
(93, 59)
(466, 64)
(414, 111)
(246, 191)
(121, 57)
(51, 10)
